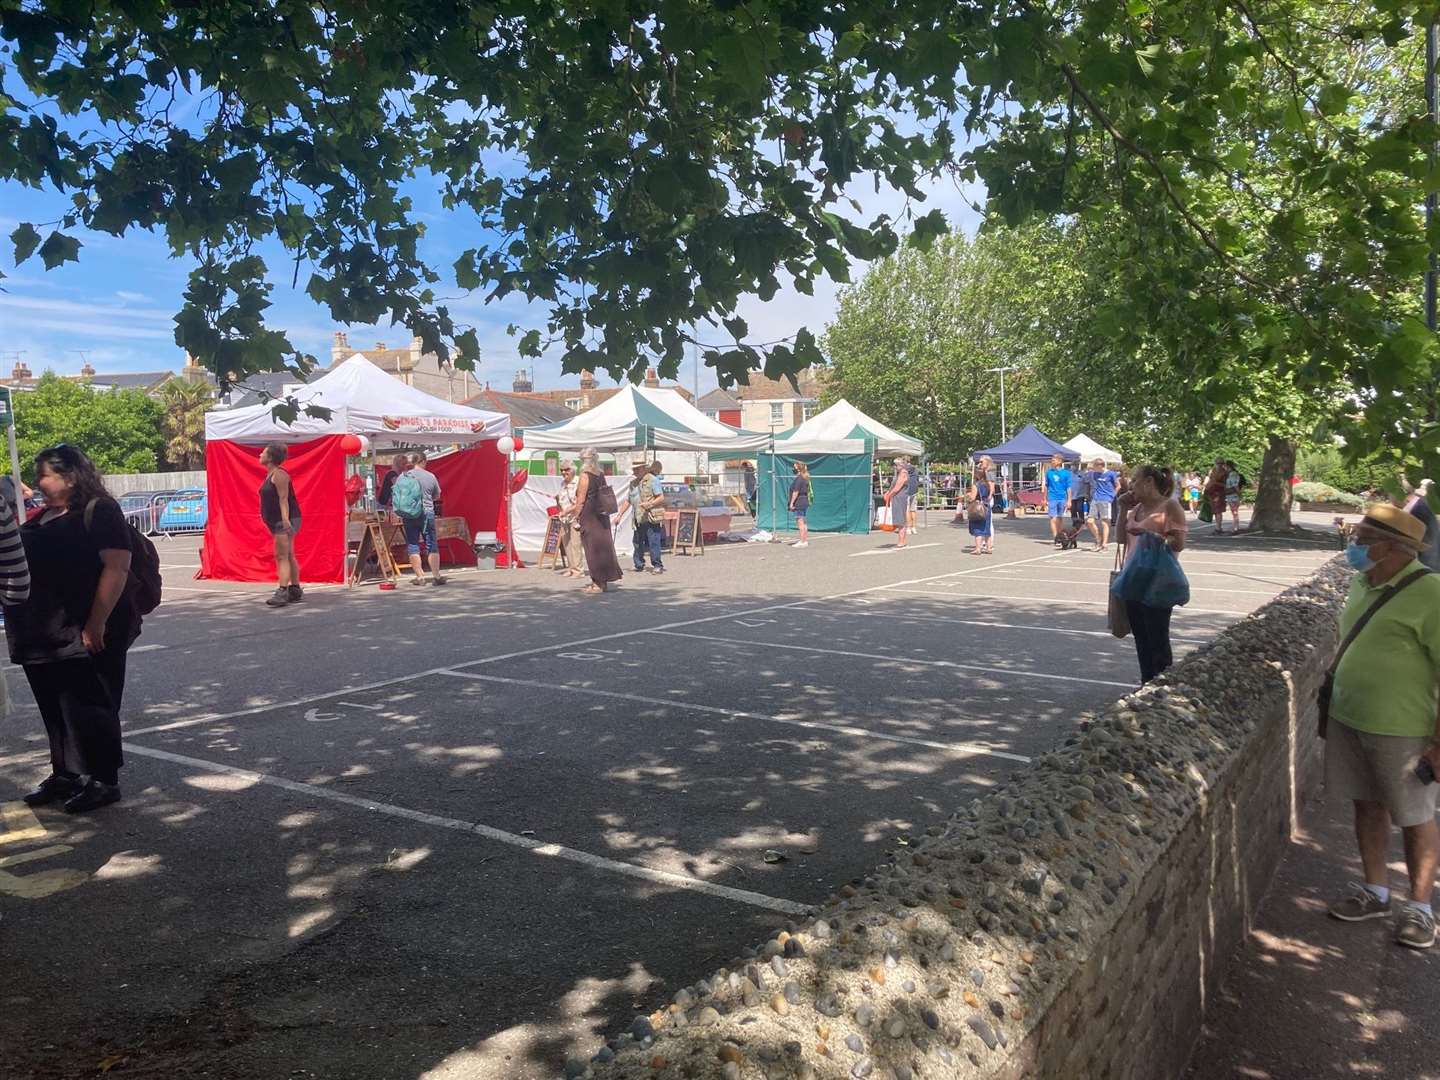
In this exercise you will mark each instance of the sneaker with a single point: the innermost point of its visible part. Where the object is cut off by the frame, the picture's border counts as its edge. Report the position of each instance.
(1360, 905)
(437, 581)
(96, 794)
(279, 598)
(296, 594)
(1415, 927)
(801, 543)
(417, 580)
(657, 570)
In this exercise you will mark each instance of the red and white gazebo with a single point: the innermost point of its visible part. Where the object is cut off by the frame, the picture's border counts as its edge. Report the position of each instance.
(384, 413)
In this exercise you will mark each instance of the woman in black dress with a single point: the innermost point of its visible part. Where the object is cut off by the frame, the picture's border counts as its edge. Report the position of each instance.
(72, 634)
(280, 511)
(595, 532)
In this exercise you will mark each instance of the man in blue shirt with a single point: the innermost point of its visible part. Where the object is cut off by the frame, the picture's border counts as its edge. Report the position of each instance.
(1057, 493)
(1102, 498)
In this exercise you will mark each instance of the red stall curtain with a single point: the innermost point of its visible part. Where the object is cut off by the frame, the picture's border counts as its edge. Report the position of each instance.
(472, 486)
(238, 546)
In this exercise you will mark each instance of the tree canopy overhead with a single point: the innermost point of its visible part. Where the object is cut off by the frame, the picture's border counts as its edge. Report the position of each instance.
(639, 167)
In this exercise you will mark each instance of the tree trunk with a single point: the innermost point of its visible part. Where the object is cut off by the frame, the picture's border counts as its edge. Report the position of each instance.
(1273, 494)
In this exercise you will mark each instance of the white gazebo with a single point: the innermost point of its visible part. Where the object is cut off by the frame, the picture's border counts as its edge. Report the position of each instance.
(1087, 449)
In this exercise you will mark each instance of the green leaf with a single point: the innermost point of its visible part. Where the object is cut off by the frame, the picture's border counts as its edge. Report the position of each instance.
(737, 327)
(850, 44)
(927, 228)
(25, 239)
(1333, 99)
(59, 249)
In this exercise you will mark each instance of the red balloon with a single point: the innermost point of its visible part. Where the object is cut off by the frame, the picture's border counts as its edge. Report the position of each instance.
(351, 444)
(519, 443)
(518, 479)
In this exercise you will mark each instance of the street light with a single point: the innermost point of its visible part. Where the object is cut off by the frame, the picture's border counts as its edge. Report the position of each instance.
(1004, 433)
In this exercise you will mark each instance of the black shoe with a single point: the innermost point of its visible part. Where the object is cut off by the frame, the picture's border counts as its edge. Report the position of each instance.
(54, 788)
(280, 598)
(438, 580)
(93, 796)
(296, 594)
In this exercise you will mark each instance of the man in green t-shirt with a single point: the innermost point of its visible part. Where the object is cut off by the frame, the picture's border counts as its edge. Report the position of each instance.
(1385, 720)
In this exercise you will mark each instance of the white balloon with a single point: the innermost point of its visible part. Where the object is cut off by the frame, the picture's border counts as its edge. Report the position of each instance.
(364, 443)
(505, 444)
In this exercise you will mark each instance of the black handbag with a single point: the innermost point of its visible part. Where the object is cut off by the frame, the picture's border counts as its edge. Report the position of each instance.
(1327, 685)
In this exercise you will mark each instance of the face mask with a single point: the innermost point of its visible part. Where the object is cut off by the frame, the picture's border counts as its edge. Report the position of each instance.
(1358, 556)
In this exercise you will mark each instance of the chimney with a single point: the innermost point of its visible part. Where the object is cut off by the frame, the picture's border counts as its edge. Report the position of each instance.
(87, 372)
(522, 384)
(652, 380)
(339, 347)
(379, 346)
(587, 380)
(417, 350)
(191, 362)
(20, 373)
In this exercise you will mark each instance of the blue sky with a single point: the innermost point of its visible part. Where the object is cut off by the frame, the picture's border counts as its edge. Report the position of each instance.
(115, 307)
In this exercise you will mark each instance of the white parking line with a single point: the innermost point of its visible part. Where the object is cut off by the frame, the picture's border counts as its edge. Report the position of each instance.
(535, 847)
(740, 714)
(209, 718)
(1193, 588)
(897, 659)
(892, 550)
(950, 594)
(990, 624)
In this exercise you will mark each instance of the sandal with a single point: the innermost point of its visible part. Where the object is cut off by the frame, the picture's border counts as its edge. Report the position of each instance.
(592, 590)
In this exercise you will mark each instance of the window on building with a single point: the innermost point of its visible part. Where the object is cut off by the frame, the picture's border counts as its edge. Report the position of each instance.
(713, 414)
(573, 403)
(808, 410)
(777, 412)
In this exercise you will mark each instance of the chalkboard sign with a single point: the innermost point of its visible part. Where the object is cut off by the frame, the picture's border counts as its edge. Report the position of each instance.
(550, 549)
(688, 533)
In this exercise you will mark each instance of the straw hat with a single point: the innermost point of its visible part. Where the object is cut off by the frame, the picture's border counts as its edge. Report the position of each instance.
(1396, 524)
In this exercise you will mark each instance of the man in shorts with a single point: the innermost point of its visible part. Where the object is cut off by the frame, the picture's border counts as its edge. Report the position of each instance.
(1057, 493)
(1102, 499)
(420, 529)
(1383, 720)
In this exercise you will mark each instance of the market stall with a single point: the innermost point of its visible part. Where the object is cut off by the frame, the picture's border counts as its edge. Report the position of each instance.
(1089, 450)
(367, 410)
(839, 446)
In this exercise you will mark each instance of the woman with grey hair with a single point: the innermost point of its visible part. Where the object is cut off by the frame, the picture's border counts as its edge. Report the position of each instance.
(596, 503)
(898, 499)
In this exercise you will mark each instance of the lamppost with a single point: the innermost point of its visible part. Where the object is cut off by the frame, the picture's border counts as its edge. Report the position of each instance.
(1004, 433)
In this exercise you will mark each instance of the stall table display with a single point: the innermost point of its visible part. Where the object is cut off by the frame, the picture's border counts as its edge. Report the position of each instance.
(713, 521)
(379, 539)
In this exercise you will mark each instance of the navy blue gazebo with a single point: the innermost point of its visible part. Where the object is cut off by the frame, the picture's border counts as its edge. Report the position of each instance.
(1028, 446)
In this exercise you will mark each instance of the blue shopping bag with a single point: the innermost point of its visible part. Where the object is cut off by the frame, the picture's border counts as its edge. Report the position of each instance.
(1152, 575)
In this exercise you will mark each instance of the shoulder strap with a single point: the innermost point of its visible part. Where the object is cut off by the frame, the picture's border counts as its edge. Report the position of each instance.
(1384, 598)
(90, 513)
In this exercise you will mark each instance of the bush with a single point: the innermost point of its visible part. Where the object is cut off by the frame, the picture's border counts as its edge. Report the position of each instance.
(1310, 492)
(1327, 466)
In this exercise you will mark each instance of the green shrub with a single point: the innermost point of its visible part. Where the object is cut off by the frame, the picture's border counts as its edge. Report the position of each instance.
(1311, 492)
(1327, 465)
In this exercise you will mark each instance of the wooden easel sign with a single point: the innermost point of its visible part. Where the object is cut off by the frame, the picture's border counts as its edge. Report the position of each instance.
(550, 549)
(689, 536)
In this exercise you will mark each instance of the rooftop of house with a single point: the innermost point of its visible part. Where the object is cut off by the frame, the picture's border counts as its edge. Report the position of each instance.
(266, 386)
(588, 394)
(525, 410)
(761, 388)
(718, 399)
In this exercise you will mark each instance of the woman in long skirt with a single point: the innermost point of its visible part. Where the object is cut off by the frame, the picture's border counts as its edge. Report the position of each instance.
(595, 533)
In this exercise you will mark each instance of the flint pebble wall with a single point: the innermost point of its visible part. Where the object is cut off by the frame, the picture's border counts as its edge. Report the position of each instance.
(1073, 923)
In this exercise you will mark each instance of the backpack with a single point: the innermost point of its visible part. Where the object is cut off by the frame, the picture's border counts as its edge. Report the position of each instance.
(406, 498)
(912, 481)
(143, 586)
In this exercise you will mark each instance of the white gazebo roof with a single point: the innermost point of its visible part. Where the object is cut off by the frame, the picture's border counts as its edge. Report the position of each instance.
(643, 417)
(1088, 450)
(363, 400)
(842, 422)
